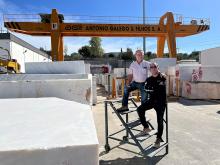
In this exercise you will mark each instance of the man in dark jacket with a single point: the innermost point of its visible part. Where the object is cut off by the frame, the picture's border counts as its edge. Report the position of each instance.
(155, 86)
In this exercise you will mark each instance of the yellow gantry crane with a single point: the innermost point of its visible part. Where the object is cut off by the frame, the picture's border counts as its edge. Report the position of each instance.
(53, 25)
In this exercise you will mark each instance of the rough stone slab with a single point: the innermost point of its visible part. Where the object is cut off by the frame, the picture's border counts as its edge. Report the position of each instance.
(200, 90)
(47, 131)
(74, 90)
(62, 67)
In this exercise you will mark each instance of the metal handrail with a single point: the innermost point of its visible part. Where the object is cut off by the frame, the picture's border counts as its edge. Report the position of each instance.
(107, 19)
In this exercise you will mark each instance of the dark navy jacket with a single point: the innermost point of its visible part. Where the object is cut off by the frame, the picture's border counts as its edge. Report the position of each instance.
(156, 88)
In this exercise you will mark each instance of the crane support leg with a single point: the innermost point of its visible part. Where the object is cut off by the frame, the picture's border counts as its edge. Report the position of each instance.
(56, 44)
(56, 37)
(171, 42)
(160, 46)
(60, 55)
(171, 38)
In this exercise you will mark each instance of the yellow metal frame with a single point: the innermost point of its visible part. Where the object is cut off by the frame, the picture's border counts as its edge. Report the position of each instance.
(166, 30)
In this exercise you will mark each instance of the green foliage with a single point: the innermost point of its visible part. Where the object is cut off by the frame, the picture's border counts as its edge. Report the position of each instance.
(180, 56)
(95, 47)
(128, 55)
(85, 51)
(149, 55)
(72, 57)
(111, 55)
(192, 56)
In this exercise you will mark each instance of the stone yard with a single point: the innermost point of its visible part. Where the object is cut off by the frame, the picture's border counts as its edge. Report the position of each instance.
(194, 134)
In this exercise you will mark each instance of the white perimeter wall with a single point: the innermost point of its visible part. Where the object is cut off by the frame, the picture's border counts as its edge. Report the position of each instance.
(17, 52)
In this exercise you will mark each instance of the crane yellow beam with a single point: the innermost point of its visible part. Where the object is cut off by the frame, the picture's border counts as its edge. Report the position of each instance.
(166, 30)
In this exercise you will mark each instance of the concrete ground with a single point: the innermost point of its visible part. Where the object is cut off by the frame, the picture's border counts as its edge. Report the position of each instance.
(194, 135)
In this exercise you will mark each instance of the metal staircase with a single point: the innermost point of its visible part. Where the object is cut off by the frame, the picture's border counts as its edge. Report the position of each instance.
(132, 131)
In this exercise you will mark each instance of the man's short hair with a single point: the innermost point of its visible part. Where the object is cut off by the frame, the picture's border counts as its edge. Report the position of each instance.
(139, 50)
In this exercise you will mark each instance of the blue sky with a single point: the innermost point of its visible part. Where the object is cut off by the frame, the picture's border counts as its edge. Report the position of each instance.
(154, 8)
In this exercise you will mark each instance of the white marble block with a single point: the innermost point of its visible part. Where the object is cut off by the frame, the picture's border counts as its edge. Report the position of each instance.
(171, 71)
(120, 72)
(94, 88)
(210, 73)
(61, 67)
(184, 71)
(87, 68)
(201, 90)
(47, 131)
(78, 90)
(164, 63)
(210, 57)
(19, 77)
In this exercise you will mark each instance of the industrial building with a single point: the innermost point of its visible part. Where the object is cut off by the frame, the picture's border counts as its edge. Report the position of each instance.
(21, 50)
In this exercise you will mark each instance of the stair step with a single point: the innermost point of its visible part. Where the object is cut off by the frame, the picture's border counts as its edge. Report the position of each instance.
(126, 112)
(151, 151)
(114, 100)
(145, 137)
(134, 123)
(132, 108)
(117, 100)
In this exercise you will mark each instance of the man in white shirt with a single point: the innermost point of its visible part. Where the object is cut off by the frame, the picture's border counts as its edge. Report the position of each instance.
(138, 73)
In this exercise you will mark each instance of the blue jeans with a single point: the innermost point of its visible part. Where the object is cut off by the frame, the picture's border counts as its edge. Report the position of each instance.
(133, 86)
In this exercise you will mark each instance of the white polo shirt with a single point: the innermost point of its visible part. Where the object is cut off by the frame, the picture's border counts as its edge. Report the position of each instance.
(139, 71)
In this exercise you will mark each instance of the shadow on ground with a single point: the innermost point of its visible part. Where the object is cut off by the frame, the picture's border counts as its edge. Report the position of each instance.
(196, 102)
(134, 160)
(218, 112)
(130, 161)
(101, 91)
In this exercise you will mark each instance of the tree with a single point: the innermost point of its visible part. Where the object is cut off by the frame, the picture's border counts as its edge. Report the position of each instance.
(85, 51)
(111, 55)
(95, 47)
(148, 54)
(72, 57)
(76, 56)
(128, 55)
(46, 51)
(194, 55)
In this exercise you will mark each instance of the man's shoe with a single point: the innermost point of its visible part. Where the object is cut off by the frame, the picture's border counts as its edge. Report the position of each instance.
(145, 132)
(123, 109)
(157, 143)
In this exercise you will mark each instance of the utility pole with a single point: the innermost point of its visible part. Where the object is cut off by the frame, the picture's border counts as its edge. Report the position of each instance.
(144, 39)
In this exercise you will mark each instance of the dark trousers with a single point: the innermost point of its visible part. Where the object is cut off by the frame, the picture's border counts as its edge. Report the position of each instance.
(159, 108)
(133, 86)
